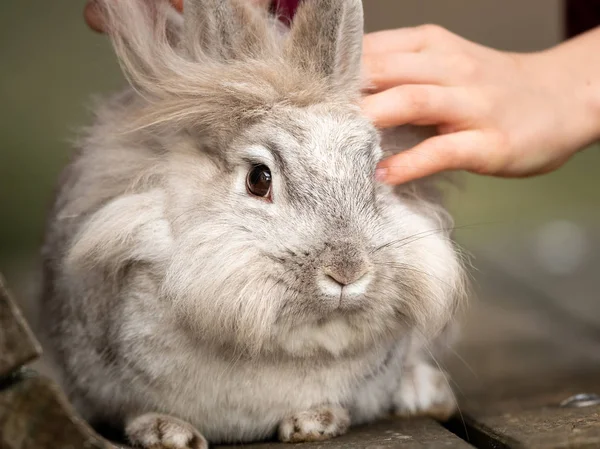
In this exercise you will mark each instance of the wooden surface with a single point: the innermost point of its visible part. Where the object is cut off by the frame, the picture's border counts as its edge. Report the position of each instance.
(34, 414)
(523, 353)
(530, 341)
(17, 344)
(386, 434)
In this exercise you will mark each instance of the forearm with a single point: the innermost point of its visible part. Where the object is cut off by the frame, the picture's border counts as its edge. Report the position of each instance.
(574, 69)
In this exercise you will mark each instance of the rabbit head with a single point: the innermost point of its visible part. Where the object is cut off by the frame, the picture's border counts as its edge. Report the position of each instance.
(281, 238)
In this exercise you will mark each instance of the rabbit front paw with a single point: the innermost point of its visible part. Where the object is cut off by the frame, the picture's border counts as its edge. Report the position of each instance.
(314, 425)
(424, 391)
(154, 431)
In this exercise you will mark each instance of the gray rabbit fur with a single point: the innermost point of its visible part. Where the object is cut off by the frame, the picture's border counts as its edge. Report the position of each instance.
(186, 309)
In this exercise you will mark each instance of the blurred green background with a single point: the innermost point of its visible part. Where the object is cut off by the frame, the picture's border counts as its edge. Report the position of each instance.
(51, 65)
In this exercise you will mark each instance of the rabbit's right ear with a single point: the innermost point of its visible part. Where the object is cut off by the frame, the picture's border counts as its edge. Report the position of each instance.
(326, 39)
(150, 39)
(223, 29)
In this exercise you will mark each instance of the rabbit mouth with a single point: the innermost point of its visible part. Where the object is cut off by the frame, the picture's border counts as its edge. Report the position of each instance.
(347, 292)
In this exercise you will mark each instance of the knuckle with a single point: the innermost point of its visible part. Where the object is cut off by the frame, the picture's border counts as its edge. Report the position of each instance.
(465, 66)
(496, 144)
(450, 150)
(479, 104)
(434, 31)
(499, 141)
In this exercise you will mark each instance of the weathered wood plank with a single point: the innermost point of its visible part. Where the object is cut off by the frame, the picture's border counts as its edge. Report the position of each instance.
(511, 359)
(546, 428)
(34, 414)
(386, 434)
(520, 357)
(18, 346)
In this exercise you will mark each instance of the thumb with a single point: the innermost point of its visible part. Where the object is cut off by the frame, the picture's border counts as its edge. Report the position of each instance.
(177, 4)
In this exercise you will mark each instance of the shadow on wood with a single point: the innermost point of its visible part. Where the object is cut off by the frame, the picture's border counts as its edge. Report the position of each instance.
(34, 413)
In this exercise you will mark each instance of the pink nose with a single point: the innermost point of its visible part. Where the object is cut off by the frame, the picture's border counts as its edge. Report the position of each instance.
(346, 275)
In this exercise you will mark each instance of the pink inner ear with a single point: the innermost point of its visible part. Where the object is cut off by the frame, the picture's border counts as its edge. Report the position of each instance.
(285, 9)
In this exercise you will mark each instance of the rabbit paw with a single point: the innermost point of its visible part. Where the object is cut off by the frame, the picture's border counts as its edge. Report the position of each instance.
(314, 425)
(424, 391)
(154, 431)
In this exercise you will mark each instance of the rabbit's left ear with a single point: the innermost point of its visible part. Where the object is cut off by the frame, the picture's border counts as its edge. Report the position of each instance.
(326, 39)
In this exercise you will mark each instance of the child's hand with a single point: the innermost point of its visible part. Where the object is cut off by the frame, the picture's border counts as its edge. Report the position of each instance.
(498, 113)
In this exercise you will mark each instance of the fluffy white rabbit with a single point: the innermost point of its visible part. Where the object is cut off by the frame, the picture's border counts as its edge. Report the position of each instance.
(220, 262)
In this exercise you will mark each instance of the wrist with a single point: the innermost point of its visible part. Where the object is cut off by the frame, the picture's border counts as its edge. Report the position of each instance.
(592, 93)
(573, 76)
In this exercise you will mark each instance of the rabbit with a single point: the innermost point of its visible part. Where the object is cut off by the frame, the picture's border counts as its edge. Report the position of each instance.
(220, 263)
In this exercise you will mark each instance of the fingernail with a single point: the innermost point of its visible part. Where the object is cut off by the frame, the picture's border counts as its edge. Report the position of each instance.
(93, 16)
(381, 174)
(178, 4)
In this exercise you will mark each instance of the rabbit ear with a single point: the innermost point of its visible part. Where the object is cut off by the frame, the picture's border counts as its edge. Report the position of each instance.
(326, 39)
(223, 29)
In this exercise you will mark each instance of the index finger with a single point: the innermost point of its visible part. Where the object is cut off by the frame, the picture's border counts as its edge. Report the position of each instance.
(394, 41)
(418, 104)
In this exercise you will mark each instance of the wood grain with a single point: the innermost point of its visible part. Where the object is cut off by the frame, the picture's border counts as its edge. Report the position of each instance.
(34, 414)
(522, 354)
(385, 434)
(18, 346)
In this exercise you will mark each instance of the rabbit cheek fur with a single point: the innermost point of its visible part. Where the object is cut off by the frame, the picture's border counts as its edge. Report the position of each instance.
(181, 307)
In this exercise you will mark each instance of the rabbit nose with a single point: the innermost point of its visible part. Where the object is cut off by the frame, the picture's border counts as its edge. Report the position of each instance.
(351, 281)
(345, 268)
(344, 276)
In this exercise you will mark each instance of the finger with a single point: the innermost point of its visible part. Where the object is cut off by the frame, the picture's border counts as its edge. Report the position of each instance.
(464, 150)
(93, 16)
(418, 105)
(388, 70)
(394, 41)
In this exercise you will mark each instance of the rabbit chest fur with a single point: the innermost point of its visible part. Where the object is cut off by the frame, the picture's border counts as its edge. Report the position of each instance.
(220, 262)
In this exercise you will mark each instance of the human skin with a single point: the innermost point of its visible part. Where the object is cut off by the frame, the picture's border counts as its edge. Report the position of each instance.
(497, 113)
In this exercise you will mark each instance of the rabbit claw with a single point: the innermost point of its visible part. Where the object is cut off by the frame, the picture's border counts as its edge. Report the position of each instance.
(317, 424)
(154, 431)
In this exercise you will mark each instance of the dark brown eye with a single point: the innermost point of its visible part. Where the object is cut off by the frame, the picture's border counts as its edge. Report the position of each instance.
(258, 181)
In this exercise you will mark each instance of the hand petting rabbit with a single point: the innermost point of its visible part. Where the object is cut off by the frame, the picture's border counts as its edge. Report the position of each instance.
(220, 263)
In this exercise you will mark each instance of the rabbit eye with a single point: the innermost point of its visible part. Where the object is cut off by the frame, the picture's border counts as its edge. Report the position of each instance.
(258, 181)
